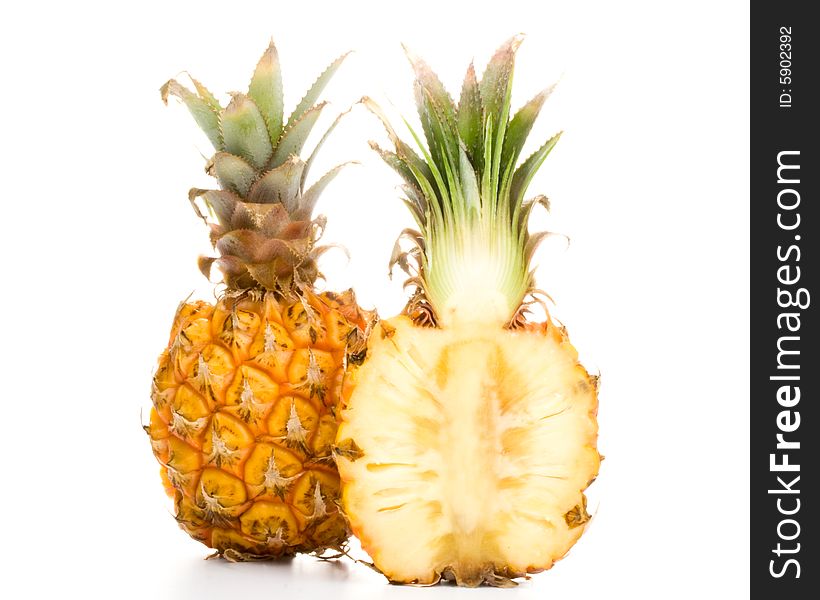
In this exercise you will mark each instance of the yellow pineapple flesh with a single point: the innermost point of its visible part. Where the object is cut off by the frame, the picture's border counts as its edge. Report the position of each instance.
(474, 450)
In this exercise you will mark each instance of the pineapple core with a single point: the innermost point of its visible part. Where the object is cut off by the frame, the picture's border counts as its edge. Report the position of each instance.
(472, 451)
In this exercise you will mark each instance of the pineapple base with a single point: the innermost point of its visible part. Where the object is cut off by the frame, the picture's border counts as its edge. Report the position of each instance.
(464, 453)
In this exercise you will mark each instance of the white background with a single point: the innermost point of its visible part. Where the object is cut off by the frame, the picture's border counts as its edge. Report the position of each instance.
(650, 181)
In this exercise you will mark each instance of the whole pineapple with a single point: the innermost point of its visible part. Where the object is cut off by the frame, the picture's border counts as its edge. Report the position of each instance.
(469, 434)
(245, 395)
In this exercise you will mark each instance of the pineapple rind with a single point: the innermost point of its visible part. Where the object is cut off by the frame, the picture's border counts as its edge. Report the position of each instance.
(244, 422)
(474, 448)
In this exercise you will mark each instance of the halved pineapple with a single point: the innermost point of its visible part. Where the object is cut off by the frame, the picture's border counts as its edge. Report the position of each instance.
(468, 436)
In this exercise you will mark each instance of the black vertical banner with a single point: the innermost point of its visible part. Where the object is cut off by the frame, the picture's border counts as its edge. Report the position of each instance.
(785, 269)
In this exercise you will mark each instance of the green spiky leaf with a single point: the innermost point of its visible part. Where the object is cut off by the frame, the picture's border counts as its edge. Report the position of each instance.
(415, 202)
(312, 194)
(497, 78)
(244, 132)
(207, 96)
(316, 89)
(521, 125)
(469, 184)
(432, 84)
(295, 136)
(266, 91)
(441, 134)
(204, 115)
(526, 171)
(422, 175)
(281, 184)
(396, 163)
(436, 111)
(471, 118)
(232, 172)
(319, 144)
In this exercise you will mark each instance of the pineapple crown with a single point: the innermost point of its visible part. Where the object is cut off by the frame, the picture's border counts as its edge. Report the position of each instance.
(263, 230)
(470, 261)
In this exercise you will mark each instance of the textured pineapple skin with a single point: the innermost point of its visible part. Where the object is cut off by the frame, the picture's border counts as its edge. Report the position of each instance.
(244, 418)
(464, 454)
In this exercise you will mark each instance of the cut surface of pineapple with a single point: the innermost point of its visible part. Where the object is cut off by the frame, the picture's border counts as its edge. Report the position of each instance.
(470, 451)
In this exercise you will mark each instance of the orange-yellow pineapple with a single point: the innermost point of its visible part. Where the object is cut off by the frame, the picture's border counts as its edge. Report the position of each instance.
(245, 394)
